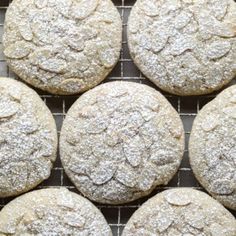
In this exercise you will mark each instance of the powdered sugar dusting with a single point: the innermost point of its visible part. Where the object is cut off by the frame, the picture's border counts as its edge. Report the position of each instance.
(201, 216)
(62, 46)
(179, 45)
(38, 213)
(130, 141)
(28, 139)
(212, 147)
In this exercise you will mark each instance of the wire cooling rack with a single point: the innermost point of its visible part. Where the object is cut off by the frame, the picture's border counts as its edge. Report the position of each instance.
(187, 107)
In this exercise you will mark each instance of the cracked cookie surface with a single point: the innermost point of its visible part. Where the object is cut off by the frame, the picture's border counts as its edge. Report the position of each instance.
(181, 212)
(28, 138)
(185, 47)
(119, 141)
(212, 147)
(62, 46)
(52, 212)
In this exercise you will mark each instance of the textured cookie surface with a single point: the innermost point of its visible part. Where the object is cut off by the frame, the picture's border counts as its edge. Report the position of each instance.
(119, 141)
(28, 138)
(181, 212)
(52, 212)
(62, 46)
(212, 147)
(186, 47)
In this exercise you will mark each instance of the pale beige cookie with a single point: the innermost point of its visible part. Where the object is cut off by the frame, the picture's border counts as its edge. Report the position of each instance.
(28, 138)
(212, 147)
(181, 212)
(121, 140)
(62, 46)
(185, 47)
(52, 212)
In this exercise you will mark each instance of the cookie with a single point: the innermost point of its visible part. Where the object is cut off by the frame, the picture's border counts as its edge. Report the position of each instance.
(52, 212)
(185, 47)
(212, 147)
(121, 140)
(28, 138)
(62, 46)
(181, 212)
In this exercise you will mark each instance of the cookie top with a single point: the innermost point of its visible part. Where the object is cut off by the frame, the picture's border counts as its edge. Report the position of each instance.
(28, 138)
(52, 212)
(119, 141)
(62, 46)
(185, 47)
(212, 147)
(181, 212)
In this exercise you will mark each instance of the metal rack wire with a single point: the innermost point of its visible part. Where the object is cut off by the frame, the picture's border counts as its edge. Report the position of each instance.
(117, 216)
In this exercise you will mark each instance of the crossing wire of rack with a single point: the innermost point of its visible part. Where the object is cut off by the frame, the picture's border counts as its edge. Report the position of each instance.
(187, 107)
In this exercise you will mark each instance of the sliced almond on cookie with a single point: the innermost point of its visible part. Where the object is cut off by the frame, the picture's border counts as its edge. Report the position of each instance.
(150, 7)
(54, 65)
(210, 123)
(222, 187)
(178, 199)
(41, 3)
(25, 30)
(8, 108)
(103, 173)
(18, 50)
(84, 8)
(218, 49)
(126, 175)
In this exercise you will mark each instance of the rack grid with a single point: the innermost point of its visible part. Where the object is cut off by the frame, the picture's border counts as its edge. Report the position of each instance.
(187, 107)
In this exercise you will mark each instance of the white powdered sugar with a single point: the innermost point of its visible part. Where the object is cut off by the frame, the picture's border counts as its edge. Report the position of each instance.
(184, 47)
(181, 212)
(42, 212)
(213, 150)
(28, 138)
(62, 46)
(119, 141)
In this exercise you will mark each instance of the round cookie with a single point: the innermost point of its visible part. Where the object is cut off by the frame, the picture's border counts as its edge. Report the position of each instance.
(62, 46)
(119, 141)
(52, 212)
(212, 147)
(185, 47)
(181, 212)
(28, 138)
